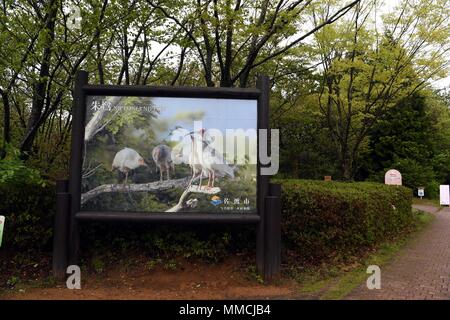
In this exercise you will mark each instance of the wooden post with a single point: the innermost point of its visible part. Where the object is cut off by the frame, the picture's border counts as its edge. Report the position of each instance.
(263, 181)
(76, 162)
(60, 229)
(273, 233)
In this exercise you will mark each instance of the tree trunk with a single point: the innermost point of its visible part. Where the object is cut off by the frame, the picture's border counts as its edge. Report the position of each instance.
(6, 118)
(101, 74)
(40, 87)
(346, 166)
(6, 123)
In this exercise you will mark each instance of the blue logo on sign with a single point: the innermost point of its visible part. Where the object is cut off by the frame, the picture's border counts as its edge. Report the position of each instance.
(216, 200)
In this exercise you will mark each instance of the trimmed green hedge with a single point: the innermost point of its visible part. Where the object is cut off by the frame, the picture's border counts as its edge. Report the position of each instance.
(322, 218)
(29, 209)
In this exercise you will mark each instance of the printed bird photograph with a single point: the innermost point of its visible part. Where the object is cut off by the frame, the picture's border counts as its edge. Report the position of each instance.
(160, 154)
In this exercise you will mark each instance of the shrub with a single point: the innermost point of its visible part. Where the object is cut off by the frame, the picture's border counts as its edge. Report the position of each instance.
(13, 172)
(27, 202)
(418, 174)
(322, 219)
(165, 241)
(30, 211)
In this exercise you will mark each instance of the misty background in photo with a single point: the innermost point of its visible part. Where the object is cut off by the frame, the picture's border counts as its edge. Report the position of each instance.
(142, 123)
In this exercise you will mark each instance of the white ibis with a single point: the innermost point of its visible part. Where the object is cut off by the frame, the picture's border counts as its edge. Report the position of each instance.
(126, 160)
(215, 164)
(195, 159)
(208, 160)
(162, 156)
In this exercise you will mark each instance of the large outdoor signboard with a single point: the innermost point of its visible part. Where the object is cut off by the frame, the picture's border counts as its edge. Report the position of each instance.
(170, 154)
(148, 154)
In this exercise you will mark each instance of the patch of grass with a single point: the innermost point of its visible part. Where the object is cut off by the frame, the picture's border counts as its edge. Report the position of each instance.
(153, 263)
(12, 281)
(171, 265)
(45, 282)
(339, 281)
(98, 264)
(422, 219)
(348, 281)
(427, 202)
(316, 286)
(315, 280)
(254, 275)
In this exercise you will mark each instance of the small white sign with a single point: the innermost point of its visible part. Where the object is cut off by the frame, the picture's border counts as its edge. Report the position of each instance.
(444, 198)
(393, 177)
(421, 192)
(2, 225)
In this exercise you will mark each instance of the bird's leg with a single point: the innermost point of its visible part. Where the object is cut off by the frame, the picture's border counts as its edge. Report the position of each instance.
(160, 175)
(168, 172)
(209, 179)
(126, 177)
(213, 178)
(193, 176)
(201, 179)
(190, 181)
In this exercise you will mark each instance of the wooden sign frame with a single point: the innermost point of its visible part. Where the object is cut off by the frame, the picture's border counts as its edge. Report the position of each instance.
(69, 216)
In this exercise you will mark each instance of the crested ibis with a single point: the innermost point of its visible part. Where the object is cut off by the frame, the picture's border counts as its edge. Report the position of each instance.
(162, 156)
(208, 160)
(126, 160)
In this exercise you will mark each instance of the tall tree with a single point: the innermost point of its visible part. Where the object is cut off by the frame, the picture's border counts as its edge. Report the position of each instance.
(232, 38)
(366, 71)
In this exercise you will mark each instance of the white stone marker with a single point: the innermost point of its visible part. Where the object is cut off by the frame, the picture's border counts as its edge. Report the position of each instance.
(393, 177)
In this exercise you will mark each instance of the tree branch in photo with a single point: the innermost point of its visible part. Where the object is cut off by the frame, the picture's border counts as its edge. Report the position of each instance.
(138, 187)
(96, 124)
(153, 187)
(191, 189)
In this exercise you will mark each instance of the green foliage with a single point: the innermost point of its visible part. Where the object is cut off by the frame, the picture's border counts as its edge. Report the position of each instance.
(365, 72)
(412, 138)
(27, 203)
(14, 172)
(305, 149)
(254, 275)
(29, 211)
(163, 243)
(404, 132)
(12, 281)
(325, 219)
(98, 264)
(171, 265)
(419, 174)
(320, 219)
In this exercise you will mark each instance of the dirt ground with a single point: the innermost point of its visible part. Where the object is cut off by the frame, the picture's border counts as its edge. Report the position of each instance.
(224, 280)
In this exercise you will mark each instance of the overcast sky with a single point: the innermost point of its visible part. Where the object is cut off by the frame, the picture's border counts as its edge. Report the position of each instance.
(220, 114)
